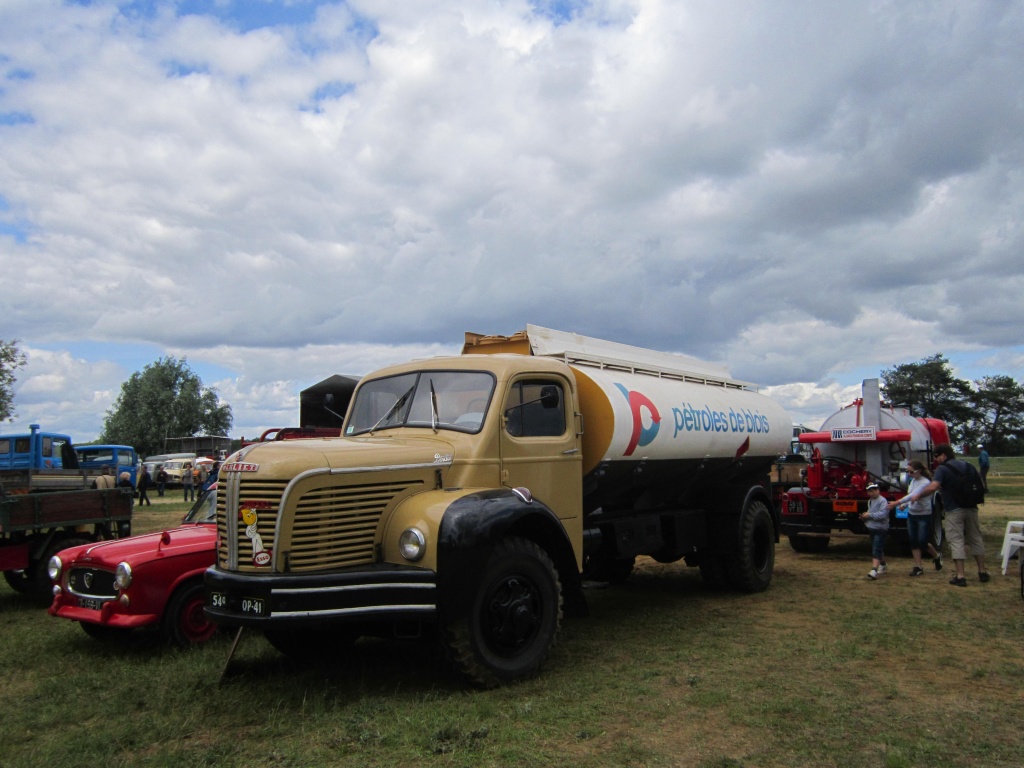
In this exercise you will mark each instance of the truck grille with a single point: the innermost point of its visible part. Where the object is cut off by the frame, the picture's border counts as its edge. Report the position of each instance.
(334, 527)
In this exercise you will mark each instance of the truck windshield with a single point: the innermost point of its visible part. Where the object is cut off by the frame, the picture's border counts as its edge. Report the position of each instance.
(433, 399)
(204, 510)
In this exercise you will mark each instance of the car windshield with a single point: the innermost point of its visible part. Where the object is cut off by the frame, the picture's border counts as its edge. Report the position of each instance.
(454, 400)
(205, 509)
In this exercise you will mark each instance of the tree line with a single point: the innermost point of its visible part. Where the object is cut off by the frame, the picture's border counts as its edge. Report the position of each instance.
(988, 411)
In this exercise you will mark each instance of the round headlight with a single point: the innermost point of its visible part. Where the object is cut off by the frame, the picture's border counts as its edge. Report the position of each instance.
(54, 568)
(123, 576)
(412, 544)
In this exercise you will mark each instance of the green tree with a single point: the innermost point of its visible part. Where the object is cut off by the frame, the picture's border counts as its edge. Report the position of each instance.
(929, 388)
(998, 414)
(11, 358)
(167, 399)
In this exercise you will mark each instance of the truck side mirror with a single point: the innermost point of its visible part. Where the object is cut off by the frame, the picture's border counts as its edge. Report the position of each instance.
(549, 396)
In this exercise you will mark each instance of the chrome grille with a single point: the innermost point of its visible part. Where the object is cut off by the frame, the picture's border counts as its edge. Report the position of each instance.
(92, 582)
(334, 527)
(337, 527)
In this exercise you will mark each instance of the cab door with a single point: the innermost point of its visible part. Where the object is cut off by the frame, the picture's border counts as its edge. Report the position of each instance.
(540, 447)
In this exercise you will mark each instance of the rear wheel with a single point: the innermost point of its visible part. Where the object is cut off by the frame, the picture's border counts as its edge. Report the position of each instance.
(184, 622)
(514, 619)
(39, 583)
(750, 569)
(17, 580)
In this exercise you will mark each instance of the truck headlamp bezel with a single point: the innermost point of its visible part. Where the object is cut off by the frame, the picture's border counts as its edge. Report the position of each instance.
(412, 544)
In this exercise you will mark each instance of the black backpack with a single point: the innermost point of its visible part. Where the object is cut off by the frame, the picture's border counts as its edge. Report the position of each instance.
(966, 487)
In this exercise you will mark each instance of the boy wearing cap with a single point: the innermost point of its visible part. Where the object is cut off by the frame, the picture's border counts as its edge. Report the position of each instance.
(876, 520)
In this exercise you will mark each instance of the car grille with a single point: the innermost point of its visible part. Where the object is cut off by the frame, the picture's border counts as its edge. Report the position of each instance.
(334, 527)
(92, 582)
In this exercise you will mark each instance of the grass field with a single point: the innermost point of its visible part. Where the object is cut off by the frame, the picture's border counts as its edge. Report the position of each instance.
(827, 668)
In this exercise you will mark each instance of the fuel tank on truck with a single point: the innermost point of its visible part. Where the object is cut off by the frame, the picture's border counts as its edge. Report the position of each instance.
(632, 416)
(654, 413)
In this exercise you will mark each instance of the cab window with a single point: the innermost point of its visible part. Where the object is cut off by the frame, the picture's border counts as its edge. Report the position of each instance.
(535, 408)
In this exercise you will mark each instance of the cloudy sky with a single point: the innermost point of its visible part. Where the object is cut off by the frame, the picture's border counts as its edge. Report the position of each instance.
(279, 191)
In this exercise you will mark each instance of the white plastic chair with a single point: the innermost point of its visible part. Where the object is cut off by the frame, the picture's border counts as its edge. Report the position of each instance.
(1013, 541)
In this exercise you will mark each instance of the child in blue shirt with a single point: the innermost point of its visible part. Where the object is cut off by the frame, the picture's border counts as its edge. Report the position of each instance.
(876, 520)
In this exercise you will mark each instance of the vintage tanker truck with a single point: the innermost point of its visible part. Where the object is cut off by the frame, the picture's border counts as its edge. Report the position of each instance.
(861, 443)
(470, 496)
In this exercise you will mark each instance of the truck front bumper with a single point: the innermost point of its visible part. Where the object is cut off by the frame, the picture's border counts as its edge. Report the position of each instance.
(376, 593)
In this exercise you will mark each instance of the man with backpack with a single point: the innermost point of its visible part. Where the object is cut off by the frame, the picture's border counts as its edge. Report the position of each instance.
(961, 489)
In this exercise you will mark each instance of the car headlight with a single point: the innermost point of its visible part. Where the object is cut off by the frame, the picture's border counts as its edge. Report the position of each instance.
(412, 544)
(54, 568)
(123, 576)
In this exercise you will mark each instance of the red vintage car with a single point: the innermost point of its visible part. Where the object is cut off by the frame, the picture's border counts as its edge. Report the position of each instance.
(154, 580)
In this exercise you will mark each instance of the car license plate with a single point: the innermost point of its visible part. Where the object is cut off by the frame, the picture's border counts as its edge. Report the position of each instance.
(90, 603)
(252, 605)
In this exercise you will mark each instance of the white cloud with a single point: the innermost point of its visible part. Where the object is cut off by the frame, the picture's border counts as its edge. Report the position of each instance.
(806, 194)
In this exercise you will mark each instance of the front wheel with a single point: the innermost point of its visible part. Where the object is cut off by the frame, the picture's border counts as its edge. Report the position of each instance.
(514, 618)
(184, 622)
(750, 568)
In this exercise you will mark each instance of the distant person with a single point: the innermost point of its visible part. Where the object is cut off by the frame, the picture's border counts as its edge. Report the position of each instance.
(105, 479)
(919, 517)
(983, 465)
(201, 475)
(876, 520)
(212, 477)
(962, 529)
(124, 480)
(144, 482)
(188, 483)
(161, 480)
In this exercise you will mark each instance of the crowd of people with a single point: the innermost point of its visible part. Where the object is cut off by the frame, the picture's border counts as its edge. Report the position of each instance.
(963, 531)
(192, 477)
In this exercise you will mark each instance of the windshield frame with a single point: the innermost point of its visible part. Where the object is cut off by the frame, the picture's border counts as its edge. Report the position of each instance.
(427, 400)
(204, 510)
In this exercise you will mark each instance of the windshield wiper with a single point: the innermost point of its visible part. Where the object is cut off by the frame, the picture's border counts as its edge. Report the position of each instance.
(433, 407)
(398, 404)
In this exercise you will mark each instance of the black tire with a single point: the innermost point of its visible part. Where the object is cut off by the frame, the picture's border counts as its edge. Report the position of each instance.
(184, 622)
(18, 581)
(809, 544)
(515, 617)
(39, 584)
(750, 568)
(310, 643)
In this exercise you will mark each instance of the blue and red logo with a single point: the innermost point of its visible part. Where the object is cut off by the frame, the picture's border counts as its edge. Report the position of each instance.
(641, 435)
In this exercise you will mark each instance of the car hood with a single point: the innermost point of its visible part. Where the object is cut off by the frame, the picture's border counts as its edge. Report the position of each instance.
(135, 549)
(395, 448)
